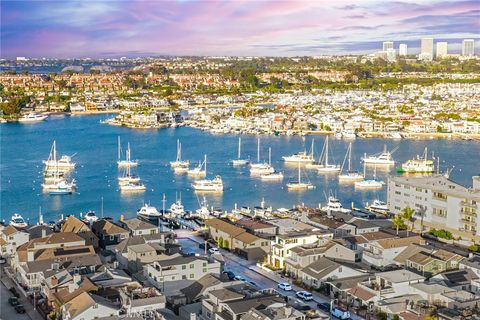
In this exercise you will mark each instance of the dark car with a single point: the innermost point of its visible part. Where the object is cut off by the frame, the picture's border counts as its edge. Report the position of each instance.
(13, 301)
(20, 309)
(324, 306)
(302, 307)
(230, 275)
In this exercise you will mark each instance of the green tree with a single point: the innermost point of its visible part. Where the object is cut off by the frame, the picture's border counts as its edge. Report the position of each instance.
(398, 222)
(407, 214)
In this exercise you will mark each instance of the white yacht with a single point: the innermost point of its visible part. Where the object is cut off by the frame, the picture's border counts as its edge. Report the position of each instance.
(334, 205)
(349, 175)
(177, 208)
(299, 185)
(127, 162)
(128, 178)
(272, 176)
(346, 134)
(90, 217)
(383, 158)
(203, 212)
(324, 166)
(301, 157)
(377, 206)
(64, 164)
(179, 163)
(132, 187)
(215, 185)
(148, 212)
(418, 165)
(17, 221)
(61, 188)
(32, 117)
(369, 183)
(239, 161)
(262, 168)
(200, 169)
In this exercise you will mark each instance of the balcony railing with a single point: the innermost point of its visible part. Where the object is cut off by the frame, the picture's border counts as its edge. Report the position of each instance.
(468, 204)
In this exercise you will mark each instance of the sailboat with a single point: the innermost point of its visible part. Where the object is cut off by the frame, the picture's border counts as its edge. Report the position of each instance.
(369, 183)
(260, 168)
(127, 162)
(239, 161)
(179, 165)
(349, 175)
(200, 169)
(55, 182)
(301, 157)
(128, 177)
(418, 165)
(299, 185)
(275, 175)
(383, 158)
(324, 166)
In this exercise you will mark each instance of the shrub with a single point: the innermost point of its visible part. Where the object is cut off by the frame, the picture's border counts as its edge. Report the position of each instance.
(474, 248)
(443, 234)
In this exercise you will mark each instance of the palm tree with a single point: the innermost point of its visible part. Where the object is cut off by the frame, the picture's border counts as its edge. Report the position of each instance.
(398, 221)
(407, 214)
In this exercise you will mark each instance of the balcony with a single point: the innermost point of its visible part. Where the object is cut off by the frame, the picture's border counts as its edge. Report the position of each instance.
(468, 221)
(375, 287)
(468, 204)
(468, 213)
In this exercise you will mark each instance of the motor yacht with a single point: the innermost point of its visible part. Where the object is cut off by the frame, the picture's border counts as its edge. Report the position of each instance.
(418, 165)
(377, 206)
(148, 211)
(272, 176)
(383, 158)
(334, 205)
(61, 188)
(90, 217)
(200, 170)
(64, 164)
(32, 117)
(215, 185)
(17, 221)
(133, 187)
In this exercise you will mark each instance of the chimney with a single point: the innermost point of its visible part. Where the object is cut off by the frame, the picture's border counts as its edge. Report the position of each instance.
(44, 232)
(54, 281)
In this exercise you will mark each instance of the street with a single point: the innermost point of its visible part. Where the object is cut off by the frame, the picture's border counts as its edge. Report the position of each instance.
(6, 310)
(190, 242)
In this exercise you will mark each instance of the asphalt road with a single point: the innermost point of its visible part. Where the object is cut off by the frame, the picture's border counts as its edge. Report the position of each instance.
(189, 242)
(6, 310)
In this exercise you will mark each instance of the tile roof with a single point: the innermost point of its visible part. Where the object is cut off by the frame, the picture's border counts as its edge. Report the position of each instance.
(9, 230)
(224, 227)
(79, 304)
(361, 293)
(107, 228)
(139, 224)
(73, 224)
(254, 224)
(399, 242)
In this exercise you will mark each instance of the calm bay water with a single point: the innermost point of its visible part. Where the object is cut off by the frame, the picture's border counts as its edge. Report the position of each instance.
(24, 146)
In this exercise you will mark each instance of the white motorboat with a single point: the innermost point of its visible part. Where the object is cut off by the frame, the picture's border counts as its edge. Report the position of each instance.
(200, 169)
(239, 161)
(377, 206)
(349, 175)
(133, 187)
(215, 185)
(346, 134)
(272, 176)
(179, 163)
(324, 166)
(64, 164)
(32, 117)
(17, 221)
(301, 157)
(334, 205)
(383, 158)
(203, 212)
(369, 183)
(61, 188)
(394, 135)
(127, 162)
(148, 211)
(177, 208)
(299, 185)
(90, 217)
(419, 165)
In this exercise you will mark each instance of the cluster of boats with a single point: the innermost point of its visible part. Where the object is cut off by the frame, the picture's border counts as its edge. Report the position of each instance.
(56, 173)
(128, 182)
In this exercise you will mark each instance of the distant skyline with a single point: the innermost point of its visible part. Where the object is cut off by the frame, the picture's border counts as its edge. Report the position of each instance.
(103, 29)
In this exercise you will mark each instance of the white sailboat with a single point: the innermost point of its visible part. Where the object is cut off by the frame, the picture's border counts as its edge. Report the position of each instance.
(383, 158)
(200, 170)
(260, 168)
(301, 157)
(127, 162)
(181, 165)
(369, 183)
(350, 175)
(299, 185)
(268, 175)
(239, 161)
(324, 166)
(128, 177)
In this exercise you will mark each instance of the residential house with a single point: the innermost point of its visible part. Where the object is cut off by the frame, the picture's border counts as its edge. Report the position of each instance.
(39, 231)
(87, 306)
(139, 227)
(473, 264)
(257, 227)
(140, 254)
(108, 233)
(430, 262)
(138, 300)
(274, 312)
(10, 239)
(75, 225)
(324, 269)
(383, 252)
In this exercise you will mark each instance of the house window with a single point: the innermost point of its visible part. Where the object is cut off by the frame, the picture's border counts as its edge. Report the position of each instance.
(192, 276)
(184, 277)
(192, 266)
(184, 267)
(204, 270)
(112, 238)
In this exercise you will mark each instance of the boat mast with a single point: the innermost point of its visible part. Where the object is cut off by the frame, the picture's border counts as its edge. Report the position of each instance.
(270, 156)
(119, 150)
(299, 175)
(258, 150)
(239, 146)
(326, 152)
(179, 154)
(350, 157)
(205, 161)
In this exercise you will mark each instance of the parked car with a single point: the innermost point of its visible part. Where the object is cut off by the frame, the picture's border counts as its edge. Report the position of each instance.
(252, 283)
(302, 307)
(202, 246)
(213, 250)
(304, 295)
(13, 301)
(340, 313)
(285, 286)
(20, 309)
(239, 278)
(324, 306)
(230, 275)
(3, 260)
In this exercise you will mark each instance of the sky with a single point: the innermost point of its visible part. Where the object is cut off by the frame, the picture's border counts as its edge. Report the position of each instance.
(87, 28)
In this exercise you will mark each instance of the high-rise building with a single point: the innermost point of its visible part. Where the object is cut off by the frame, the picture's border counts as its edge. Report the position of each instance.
(391, 55)
(426, 49)
(442, 49)
(402, 49)
(387, 45)
(468, 47)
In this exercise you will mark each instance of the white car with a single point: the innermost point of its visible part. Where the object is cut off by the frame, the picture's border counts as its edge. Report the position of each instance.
(213, 250)
(285, 286)
(304, 295)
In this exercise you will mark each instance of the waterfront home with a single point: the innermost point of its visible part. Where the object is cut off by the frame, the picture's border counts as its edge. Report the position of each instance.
(108, 233)
(473, 264)
(75, 225)
(140, 254)
(139, 227)
(383, 252)
(234, 238)
(173, 273)
(257, 227)
(10, 239)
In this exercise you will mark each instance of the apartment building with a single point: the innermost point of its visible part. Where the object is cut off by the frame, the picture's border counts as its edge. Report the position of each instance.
(438, 203)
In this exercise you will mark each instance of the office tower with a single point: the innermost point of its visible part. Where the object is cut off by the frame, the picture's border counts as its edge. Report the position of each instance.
(468, 47)
(442, 49)
(426, 49)
(402, 49)
(387, 45)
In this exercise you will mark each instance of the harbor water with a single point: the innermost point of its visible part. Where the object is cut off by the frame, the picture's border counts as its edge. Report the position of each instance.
(94, 145)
